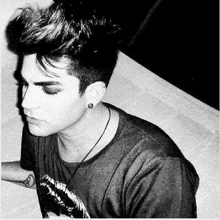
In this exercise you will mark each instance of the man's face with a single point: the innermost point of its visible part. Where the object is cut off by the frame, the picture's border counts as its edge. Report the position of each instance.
(51, 104)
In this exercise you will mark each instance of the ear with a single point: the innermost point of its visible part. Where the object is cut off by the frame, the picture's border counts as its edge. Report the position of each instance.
(95, 92)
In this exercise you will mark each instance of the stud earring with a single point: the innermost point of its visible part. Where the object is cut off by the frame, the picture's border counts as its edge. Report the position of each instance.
(90, 106)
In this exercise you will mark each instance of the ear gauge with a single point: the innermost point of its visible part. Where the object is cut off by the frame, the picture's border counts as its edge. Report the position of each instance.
(90, 106)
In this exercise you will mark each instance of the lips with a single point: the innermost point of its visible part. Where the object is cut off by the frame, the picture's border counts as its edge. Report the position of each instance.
(29, 116)
(33, 120)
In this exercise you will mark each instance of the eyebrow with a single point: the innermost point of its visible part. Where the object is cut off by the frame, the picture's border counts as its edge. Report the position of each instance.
(43, 83)
(47, 83)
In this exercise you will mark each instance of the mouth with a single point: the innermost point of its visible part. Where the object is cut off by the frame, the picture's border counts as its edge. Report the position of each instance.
(33, 120)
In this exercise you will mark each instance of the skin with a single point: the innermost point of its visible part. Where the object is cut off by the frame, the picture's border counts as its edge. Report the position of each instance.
(53, 104)
(12, 172)
(50, 104)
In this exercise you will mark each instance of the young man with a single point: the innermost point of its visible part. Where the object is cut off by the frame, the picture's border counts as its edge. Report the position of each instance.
(85, 157)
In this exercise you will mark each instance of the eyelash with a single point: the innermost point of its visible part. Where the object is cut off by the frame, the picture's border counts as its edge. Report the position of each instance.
(21, 84)
(49, 91)
(46, 90)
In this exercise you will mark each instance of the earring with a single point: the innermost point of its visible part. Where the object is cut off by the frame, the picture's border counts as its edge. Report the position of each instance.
(90, 105)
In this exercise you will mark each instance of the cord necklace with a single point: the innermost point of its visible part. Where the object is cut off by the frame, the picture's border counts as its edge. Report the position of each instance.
(65, 201)
(91, 148)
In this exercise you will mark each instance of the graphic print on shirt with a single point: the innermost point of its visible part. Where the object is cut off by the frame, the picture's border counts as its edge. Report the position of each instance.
(59, 200)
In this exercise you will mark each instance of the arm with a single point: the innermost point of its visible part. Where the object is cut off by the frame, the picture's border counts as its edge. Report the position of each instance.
(12, 172)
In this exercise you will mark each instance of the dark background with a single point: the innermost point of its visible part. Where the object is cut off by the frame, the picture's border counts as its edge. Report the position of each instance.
(176, 39)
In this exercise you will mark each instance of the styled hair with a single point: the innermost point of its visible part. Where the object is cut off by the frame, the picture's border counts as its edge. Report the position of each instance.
(71, 30)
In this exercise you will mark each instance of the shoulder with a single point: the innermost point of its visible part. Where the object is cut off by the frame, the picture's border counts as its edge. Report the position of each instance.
(148, 136)
(154, 147)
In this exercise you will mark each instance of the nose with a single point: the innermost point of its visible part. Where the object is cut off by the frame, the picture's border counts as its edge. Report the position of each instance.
(29, 98)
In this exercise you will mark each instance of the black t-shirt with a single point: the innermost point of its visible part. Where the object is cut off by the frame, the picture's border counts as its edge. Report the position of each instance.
(141, 173)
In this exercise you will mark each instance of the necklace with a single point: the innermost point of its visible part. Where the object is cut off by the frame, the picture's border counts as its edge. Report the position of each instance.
(65, 201)
(91, 148)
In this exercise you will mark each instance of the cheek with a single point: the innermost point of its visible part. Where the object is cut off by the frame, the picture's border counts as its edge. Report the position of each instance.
(66, 109)
(59, 118)
(58, 113)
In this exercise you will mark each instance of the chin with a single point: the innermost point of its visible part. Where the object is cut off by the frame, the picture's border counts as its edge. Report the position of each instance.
(38, 131)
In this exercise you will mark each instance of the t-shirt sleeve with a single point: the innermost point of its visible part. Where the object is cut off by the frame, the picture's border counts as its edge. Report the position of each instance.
(164, 189)
(27, 160)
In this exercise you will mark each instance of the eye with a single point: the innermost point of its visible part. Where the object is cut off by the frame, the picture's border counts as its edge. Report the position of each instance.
(22, 84)
(50, 91)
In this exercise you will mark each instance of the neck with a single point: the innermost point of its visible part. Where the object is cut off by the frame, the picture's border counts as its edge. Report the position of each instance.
(76, 141)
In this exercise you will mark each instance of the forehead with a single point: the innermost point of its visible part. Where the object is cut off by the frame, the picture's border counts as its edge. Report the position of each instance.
(32, 70)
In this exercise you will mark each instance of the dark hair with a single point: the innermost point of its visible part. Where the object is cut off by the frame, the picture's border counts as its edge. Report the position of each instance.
(86, 38)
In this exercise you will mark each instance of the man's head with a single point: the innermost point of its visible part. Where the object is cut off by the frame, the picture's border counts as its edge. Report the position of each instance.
(85, 38)
(68, 58)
